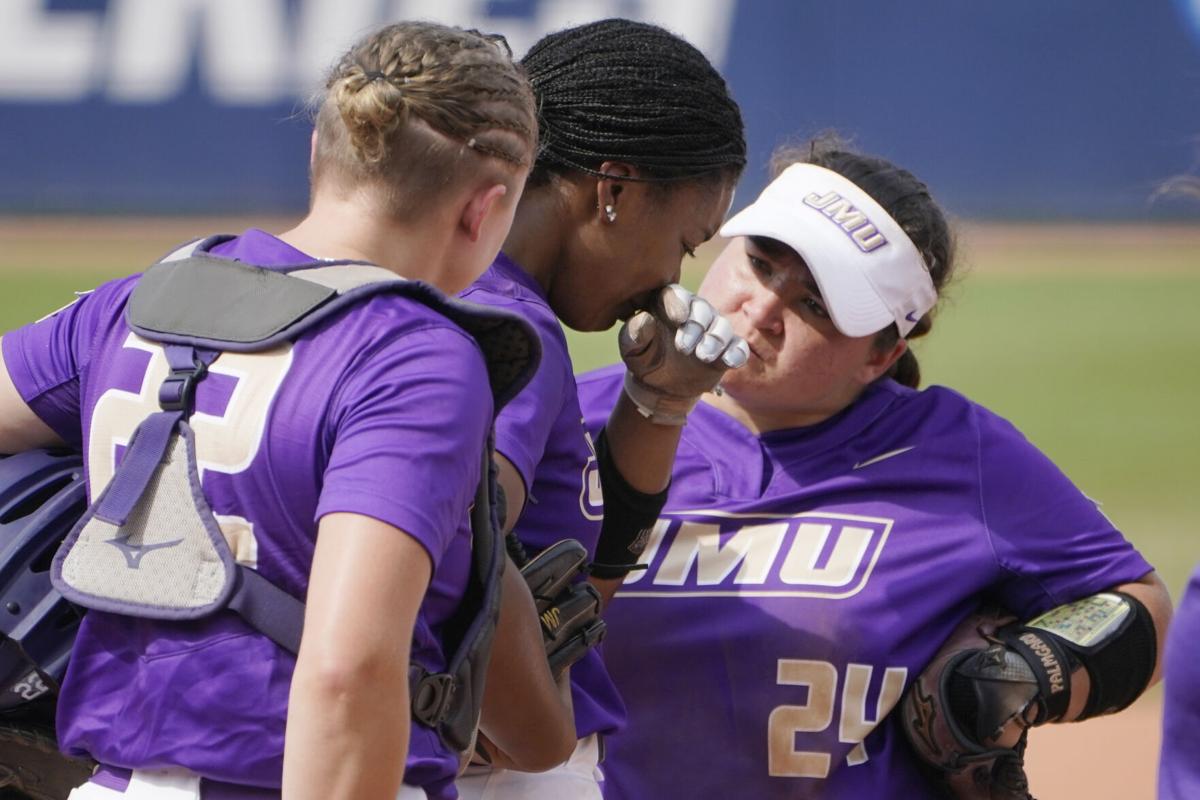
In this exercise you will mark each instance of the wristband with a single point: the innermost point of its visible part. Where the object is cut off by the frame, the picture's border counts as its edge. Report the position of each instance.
(629, 516)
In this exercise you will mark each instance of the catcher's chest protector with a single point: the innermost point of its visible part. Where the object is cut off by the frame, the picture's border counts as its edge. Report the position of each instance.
(149, 545)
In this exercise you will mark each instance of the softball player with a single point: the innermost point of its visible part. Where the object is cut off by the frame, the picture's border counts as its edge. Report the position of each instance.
(340, 465)
(641, 145)
(1179, 767)
(830, 526)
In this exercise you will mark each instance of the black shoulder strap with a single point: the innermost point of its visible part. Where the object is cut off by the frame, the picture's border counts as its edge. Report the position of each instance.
(219, 300)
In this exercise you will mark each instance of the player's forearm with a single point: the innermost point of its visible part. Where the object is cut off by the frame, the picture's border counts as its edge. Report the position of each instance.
(347, 731)
(1152, 593)
(348, 710)
(642, 451)
(526, 714)
(644, 454)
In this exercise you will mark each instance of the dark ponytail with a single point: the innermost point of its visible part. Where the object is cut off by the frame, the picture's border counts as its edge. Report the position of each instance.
(908, 202)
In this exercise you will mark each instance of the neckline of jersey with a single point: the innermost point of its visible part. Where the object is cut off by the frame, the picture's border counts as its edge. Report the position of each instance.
(807, 441)
(506, 268)
(256, 246)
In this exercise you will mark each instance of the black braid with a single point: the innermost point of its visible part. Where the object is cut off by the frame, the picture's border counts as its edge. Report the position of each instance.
(619, 90)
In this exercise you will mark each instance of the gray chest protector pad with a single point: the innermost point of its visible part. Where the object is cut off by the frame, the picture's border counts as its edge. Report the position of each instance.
(149, 545)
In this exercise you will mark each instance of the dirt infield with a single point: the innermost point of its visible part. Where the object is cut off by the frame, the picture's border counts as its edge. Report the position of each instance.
(1110, 249)
(109, 246)
(122, 244)
(1111, 758)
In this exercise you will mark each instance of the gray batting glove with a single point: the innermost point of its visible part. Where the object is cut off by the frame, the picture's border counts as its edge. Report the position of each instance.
(675, 352)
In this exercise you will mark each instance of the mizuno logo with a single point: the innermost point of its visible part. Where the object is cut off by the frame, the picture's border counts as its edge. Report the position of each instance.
(134, 553)
(882, 457)
(909, 316)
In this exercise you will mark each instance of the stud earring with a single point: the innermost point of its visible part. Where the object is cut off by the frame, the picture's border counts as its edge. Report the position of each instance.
(610, 213)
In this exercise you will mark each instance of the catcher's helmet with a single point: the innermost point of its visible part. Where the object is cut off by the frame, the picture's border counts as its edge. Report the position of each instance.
(42, 496)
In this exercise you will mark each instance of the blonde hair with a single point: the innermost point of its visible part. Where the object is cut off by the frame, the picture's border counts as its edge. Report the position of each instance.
(418, 108)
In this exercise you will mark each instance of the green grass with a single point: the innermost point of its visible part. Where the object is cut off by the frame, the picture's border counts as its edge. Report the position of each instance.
(1099, 366)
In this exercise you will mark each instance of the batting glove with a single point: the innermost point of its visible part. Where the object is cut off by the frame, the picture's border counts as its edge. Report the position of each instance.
(675, 352)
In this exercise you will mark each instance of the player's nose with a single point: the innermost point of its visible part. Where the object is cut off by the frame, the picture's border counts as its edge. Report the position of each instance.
(764, 311)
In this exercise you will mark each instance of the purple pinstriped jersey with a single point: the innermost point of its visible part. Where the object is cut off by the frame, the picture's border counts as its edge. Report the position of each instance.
(541, 432)
(381, 410)
(799, 580)
(1179, 766)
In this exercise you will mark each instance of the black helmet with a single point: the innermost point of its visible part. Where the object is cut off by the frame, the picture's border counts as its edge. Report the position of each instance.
(42, 496)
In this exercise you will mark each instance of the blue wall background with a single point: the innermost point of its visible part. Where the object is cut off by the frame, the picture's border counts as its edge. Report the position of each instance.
(1022, 109)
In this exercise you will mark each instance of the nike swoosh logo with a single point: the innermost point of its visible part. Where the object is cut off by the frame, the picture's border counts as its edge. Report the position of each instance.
(134, 553)
(882, 457)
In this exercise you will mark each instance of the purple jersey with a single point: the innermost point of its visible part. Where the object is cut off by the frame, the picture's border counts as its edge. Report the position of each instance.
(380, 410)
(800, 580)
(541, 432)
(1179, 768)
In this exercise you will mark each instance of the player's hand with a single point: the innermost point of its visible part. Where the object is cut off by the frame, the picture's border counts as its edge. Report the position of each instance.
(676, 351)
(568, 609)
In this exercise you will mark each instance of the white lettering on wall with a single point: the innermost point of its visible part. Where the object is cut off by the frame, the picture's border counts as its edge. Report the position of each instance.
(46, 56)
(242, 48)
(257, 52)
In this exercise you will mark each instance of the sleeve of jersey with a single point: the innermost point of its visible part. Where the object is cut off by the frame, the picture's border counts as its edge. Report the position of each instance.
(598, 393)
(1052, 541)
(524, 425)
(410, 428)
(45, 358)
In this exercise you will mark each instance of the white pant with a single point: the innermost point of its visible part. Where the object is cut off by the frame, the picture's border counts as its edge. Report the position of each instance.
(176, 784)
(577, 779)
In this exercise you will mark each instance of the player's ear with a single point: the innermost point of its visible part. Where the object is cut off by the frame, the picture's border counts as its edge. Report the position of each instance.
(610, 189)
(479, 205)
(312, 150)
(880, 360)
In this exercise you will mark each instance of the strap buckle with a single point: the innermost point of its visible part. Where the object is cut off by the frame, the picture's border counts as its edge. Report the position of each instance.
(432, 696)
(178, 390)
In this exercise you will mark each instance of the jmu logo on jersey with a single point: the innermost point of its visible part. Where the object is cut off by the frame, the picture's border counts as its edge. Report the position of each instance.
(711, 554)
(854, 223)
(591, 496)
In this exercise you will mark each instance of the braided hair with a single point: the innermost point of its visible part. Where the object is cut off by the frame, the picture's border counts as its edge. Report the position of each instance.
(416, 106)
(619, 90)
(907, 200)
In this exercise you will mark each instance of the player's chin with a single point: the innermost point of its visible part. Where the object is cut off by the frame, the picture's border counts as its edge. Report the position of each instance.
(603, 319)
(587, 319)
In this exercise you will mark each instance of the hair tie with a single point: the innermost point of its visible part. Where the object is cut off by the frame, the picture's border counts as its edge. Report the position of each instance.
(374, 75)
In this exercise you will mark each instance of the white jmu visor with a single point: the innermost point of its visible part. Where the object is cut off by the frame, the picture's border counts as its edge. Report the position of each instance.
(868, 270)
